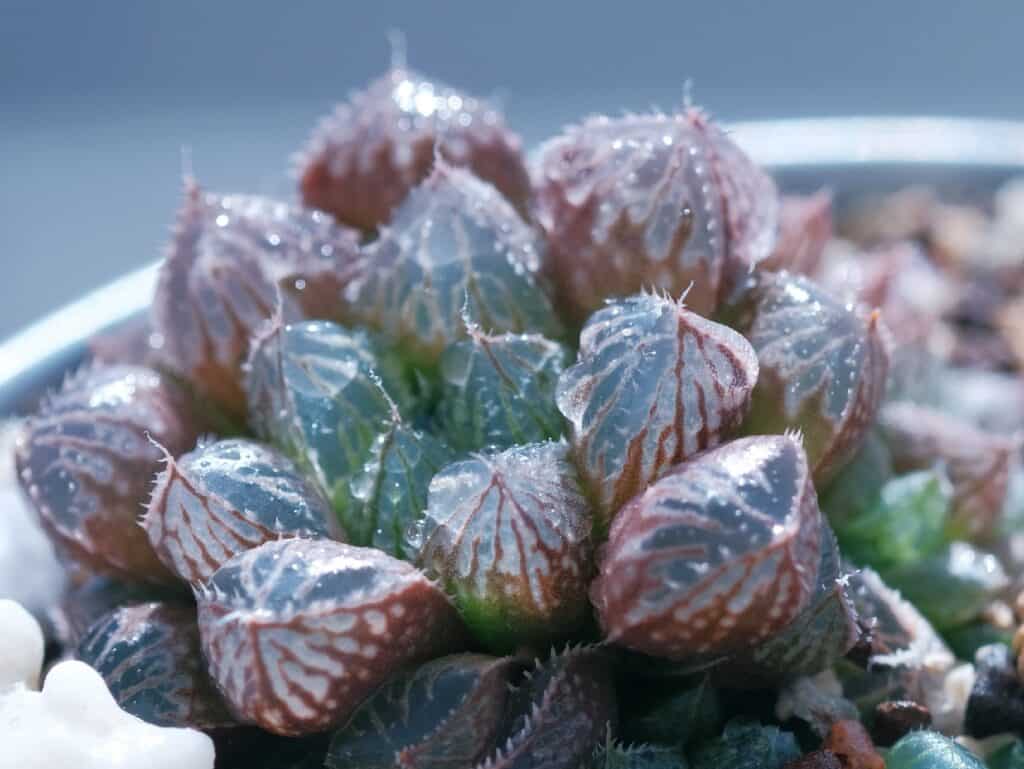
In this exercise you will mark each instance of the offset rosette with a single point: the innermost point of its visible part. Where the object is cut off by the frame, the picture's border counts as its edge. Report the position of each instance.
(978, 463)
(564, 709)
(298, 632)
(230, 260)
(363, 159)
(226, 497)
(454, 249)
(823, 367)
(447, 712)
(650, 201)
(86, 462)
(717, 556)
(149, 658)
(654, 385)
(508, 535)
(499, 391)
(317, 391)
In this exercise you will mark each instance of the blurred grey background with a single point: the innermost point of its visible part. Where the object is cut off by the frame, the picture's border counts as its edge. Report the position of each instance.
(98, 98)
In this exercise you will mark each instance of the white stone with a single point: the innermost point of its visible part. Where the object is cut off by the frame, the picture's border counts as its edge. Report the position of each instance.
(29, 570)
(21, 647)
(75, 722)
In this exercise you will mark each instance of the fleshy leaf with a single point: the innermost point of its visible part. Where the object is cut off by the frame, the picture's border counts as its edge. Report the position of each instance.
(616, 756)
(907, 523)
(951, 587)
(149, 657)
(650, 200)
(389, 493)
(447, 712)
(298, 632)
(86, 462)
(226, 497)
(823, 367)
(805, 227)
(654, 385)
(230, 259)
(365, 157)
(499, 391)
(746, 745)
(560, 714)
(717, 556)
(454, 248)
(83, 604)
(818, 636)
(930, 750)
(678, 719)
(857, 489)
(316, 391)
(509, 537)
(978, 463)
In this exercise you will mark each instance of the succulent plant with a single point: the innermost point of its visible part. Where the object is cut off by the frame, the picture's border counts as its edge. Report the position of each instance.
(444, 713)
(746, 745)
(953, 586)
(88, 601)
(389, 493)
(317, 391)
(823, 361)
(616, 756)
(678, 719)
(805, 228)
(816, 638)
(908, 522)
(365, 157)
(226, 497)
(654, 385)
(509, 536)
(298, 632)
(230, 260)
(149, 658)
(717, 556)
(454, 248)
(499, 391)
(978, 463)
(560, 713)
(86, 463)
(930, 750)
(650, 201)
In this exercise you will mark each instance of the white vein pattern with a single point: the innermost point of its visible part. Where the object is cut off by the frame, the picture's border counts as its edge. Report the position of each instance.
(499, 391)
(511, 531)
(220, 280)
(455, 248)
(297, 632)
(651, 201)
(446, 712)
(85, 462)
(226, 497)
(363, 159)
(715, 557)
(823, 360)
(655, 384)
(149, 657)
(315, 389)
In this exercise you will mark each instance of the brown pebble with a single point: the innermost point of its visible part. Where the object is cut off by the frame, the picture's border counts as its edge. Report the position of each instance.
(819, 759)
(896, 718)
(852, 744)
